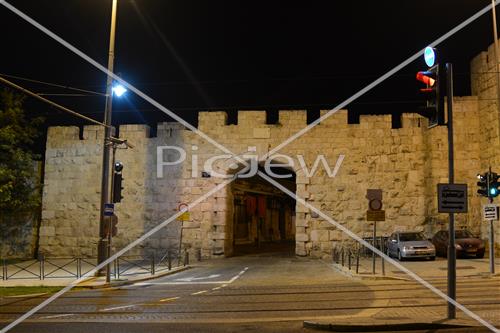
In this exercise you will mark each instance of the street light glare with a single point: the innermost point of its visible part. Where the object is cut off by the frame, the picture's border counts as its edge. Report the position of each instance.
(119, 90)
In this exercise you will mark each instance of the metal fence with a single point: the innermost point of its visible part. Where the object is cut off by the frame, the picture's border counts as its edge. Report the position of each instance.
(348, 254)
(75, 267)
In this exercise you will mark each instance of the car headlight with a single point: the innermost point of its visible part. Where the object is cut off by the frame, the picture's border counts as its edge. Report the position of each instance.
(458, 246)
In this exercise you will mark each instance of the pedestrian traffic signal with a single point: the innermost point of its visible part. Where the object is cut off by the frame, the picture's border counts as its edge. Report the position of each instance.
(433, 78)
(117, 183)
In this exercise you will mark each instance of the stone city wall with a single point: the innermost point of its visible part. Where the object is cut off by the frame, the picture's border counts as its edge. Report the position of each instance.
(407, 163)
(484, 85)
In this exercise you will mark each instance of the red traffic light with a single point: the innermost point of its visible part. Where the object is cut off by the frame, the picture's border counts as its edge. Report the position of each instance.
(426, 78)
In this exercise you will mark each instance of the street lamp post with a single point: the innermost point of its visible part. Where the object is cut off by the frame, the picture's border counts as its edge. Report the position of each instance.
(102, 245)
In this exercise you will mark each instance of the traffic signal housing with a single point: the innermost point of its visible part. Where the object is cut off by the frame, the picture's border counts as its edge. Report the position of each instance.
(489, 185)
(494, 185)
(434, 79)
(483, 184)
(117, 182)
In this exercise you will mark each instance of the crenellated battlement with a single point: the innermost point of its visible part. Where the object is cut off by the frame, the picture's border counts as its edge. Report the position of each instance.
(406, 163)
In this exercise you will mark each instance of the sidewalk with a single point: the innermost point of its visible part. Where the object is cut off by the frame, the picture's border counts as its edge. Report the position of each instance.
(426, 269)
(61, 272)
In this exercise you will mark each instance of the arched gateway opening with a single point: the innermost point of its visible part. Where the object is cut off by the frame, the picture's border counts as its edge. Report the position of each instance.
(263, 216)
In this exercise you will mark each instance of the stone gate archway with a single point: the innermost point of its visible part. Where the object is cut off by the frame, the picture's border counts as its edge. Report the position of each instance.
(262, 218)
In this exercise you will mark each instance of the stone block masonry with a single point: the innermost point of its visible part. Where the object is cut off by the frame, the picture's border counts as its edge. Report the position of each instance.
(406, 163)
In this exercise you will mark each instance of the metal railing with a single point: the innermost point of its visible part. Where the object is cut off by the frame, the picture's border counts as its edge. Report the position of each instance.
(349, 254)
(76, 267)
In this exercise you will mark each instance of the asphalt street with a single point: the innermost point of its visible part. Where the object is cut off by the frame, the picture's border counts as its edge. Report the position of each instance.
(250, 293)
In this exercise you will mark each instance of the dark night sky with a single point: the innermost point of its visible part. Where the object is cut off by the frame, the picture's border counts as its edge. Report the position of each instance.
(228, 55)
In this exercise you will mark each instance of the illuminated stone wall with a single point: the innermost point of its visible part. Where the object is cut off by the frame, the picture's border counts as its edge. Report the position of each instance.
(406, 163)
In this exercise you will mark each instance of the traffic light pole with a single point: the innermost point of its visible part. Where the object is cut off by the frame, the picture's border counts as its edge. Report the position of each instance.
(492, 233)
(110, 226)
(102, 244)
(452, 260)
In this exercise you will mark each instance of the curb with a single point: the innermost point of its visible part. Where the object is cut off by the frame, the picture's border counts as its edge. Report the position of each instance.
(349, 273)
(368, 276)
(26, 295)
(129, 282)
(380, 327)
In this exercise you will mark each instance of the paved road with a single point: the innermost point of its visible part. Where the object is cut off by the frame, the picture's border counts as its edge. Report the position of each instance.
(251, 293)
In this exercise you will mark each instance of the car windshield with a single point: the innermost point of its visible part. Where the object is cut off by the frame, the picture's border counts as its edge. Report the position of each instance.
(413, 236)
(463, 234)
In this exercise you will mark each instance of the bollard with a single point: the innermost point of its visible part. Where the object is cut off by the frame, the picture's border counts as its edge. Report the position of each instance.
(42, 267)
(118, 267)
(115, 265)
(169, 260)
(152, 264)
(349, 258)
(383, 251)
(199, 254)
(4, 269)
(342, 257)
(186, 257)
(78, 268)
(357, 261)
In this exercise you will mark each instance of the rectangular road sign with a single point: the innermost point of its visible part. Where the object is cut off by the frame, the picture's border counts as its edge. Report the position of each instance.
(452, 198)
(490, 212)
(109, 209)
(375, 215)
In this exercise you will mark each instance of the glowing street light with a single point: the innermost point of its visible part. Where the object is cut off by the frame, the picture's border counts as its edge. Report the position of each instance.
(119, 90)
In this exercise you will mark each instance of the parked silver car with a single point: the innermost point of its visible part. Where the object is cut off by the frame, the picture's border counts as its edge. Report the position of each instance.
(410, 245)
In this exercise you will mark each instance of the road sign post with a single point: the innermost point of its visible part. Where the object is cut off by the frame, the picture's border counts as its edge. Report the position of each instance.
(452, 255)
(374, 213)
(490, 214)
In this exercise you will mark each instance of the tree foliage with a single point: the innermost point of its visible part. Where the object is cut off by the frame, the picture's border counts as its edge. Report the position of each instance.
(18, 176)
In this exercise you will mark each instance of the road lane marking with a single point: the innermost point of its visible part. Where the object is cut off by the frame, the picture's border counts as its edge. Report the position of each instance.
(216, 288)
(169, 299)
(58, 316)
(238, 275)
(199, 292)
(191, 281)
(120, 307)
(192, 278)
(177, 283)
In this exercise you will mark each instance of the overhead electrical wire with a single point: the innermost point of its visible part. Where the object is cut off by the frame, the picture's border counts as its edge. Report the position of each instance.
(60, 107)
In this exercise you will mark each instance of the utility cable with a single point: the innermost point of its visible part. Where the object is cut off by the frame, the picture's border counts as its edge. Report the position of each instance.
(60, 107)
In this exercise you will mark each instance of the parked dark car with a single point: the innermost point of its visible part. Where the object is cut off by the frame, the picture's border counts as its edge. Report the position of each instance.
(465, 244)
(413, 244)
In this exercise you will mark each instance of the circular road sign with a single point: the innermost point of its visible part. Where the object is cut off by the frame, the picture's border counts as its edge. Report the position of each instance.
(375, 204)
(430, 56)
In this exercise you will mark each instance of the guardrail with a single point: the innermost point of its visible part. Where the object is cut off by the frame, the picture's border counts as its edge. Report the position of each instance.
(76, 267)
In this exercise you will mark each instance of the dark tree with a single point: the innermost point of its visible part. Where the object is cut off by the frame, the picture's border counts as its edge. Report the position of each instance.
(19, 189)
